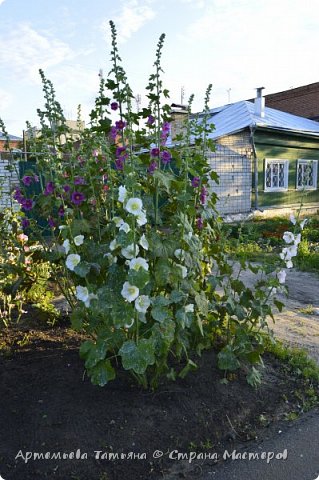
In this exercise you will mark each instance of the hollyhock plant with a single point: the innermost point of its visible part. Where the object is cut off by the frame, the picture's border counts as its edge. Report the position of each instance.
(137, 238)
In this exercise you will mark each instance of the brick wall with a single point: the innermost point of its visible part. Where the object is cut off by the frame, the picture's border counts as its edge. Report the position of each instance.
(9, 178)
(302, 101)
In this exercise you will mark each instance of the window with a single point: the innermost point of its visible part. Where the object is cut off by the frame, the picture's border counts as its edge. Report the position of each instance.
(306, 174)
(276, 175)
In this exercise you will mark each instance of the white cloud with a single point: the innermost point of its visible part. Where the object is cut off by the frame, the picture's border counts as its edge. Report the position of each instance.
(1, 1)
(133, 15)
(235, 45)
(195, 3)
(5, 99)
(27, 50)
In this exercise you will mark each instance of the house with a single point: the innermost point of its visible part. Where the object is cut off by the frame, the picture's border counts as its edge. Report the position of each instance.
(8, 175)
(302, 101)
(266, 159)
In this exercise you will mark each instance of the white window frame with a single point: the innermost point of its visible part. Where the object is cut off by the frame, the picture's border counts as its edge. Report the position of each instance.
(270, 161)
(314, 185)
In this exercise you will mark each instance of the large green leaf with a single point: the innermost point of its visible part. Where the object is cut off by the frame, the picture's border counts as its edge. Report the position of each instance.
(161, 313)
(102, 373)
(137, 357)
(227, 360)
(93, 352)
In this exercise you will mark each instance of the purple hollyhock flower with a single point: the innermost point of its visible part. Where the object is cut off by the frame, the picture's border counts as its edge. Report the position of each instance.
(203, 195)
(61, 211)
(114, 106)
(113, 133)
(120, 151)
(166, 128)
(195, 182)
(199, 223)
(27, 204)
(152, 167)
(79, 181)
(120, 124)
(77, 198)
(36, 178)
(49, 188)
(166, 157)
(119, 164)
(18, 195)
(66, 188)
(51, 222)
(150, 120)
(27, 180)
(25, 223)
(155, 152)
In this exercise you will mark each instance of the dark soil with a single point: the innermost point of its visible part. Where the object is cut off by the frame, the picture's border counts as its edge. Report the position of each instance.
(47, 404)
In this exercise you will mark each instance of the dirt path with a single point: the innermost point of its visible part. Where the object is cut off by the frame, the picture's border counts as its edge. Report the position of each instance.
(293, 325)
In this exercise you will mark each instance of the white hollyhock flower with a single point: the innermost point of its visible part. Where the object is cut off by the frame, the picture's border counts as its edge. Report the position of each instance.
(142, 303)
(289, 264)
(293, 219)
(78, 240)
(129, 251)
(129, 325)
(72, 261)
(137, 263)
(141, 219)
(112, 259)
(66, 246)
(122, 193)
(189, 308)
(179, 253)
(118, 221)
(281, 275)
(62, 227)
(143, 242)
(83, 294)
(303, 223)
(293, 250)
(297, 239)
(184, 270)
(134, 206)
(125, 227)
(288, 237)
(129, 292)
(113, 245)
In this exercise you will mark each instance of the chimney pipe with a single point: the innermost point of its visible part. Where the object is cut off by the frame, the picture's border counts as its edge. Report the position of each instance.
(260, 103)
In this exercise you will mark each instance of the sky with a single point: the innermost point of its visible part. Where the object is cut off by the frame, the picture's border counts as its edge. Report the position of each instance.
(237, 45)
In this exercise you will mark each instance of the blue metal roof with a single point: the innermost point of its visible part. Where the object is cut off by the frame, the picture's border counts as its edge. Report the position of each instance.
(240, 115)
(11, 137)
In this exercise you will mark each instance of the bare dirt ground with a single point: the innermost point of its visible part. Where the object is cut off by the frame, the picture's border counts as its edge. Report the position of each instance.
(293, 325)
